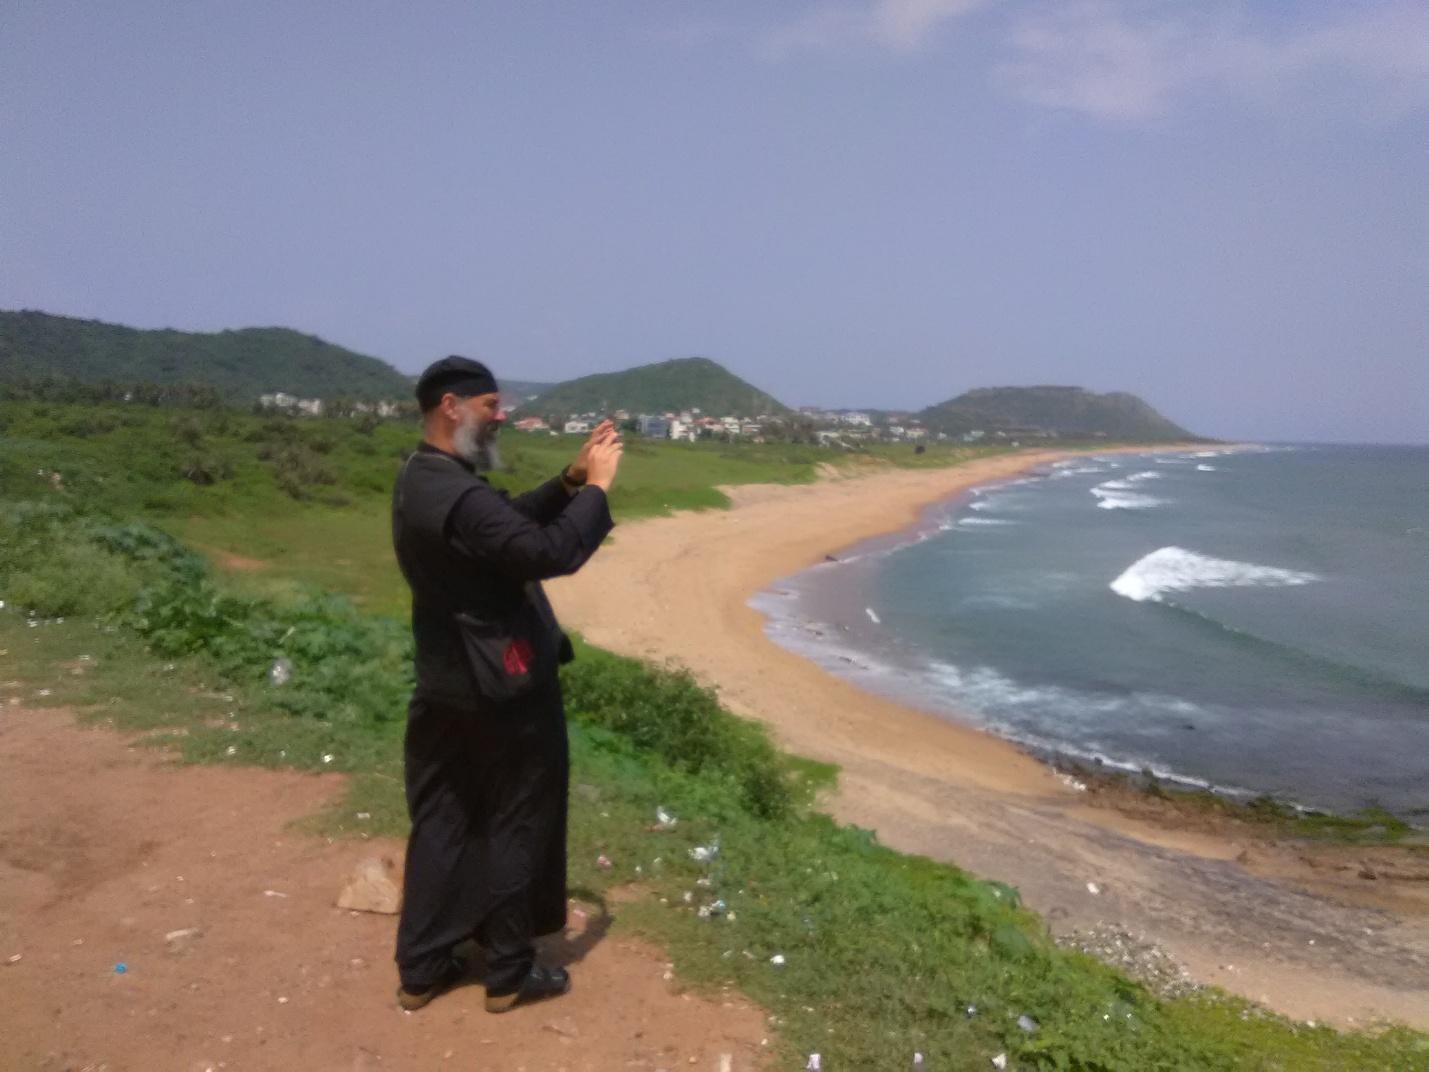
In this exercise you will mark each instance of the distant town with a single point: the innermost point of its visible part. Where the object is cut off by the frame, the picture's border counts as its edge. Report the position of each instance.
(831, 428)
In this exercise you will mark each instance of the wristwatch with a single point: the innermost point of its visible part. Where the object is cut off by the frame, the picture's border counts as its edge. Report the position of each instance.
(567, 480)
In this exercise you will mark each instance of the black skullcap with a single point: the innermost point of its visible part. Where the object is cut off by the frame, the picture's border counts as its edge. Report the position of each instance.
(460, 376)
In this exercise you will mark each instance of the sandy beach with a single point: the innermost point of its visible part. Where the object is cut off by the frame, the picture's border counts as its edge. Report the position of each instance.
(1245, 917)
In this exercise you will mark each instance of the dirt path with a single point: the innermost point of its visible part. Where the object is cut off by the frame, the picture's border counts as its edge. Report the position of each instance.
(1261, 925)
(106, 848)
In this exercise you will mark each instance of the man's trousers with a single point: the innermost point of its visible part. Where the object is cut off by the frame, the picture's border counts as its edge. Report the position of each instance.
(487, 791)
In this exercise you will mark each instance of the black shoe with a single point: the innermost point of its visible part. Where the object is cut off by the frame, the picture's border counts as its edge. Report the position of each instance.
(540, 983)
(417, 997)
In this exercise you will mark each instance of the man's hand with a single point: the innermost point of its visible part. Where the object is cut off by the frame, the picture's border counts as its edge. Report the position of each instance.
(579, 470)
(604, 460)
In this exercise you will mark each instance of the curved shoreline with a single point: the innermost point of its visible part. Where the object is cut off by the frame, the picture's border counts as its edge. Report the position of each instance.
(679, 588)
(811, 711)
(809, 628)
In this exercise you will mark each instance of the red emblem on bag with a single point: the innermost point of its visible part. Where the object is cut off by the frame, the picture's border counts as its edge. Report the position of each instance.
(519, 657)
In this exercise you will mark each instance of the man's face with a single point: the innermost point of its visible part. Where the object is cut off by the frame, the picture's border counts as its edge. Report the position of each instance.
(479, 419)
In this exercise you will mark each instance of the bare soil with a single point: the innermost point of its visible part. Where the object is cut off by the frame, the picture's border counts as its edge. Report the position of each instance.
(233, 954)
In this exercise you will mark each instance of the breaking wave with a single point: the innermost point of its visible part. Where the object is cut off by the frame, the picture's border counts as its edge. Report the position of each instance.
(1122, 494)
(1174, 569)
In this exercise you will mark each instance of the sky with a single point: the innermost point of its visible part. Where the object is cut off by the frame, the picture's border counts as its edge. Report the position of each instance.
(1222, 207)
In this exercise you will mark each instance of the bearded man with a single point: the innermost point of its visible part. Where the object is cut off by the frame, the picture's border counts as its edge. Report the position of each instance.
(486, 756)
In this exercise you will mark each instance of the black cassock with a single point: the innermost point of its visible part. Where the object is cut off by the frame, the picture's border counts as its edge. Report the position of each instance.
(486, 774)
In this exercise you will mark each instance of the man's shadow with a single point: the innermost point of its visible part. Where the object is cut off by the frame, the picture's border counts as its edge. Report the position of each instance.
(570, 946)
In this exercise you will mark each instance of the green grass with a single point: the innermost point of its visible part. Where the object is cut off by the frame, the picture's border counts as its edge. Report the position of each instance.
(884, 952)
(130, 461)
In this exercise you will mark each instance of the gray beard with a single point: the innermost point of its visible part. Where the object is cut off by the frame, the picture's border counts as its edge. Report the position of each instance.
(474, 448)
(488, 456)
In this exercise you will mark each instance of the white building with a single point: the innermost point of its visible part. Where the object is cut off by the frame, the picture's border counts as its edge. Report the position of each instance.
(577, 427)
(313, 407)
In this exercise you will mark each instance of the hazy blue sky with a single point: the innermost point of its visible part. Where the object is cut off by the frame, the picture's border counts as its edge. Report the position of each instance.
(1223, 206)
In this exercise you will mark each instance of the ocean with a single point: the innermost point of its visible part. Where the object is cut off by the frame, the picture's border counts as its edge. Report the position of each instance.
(1255, 621)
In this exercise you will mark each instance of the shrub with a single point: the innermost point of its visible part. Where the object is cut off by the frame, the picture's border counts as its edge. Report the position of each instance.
(665, 711)
(73, 580)
(298, 468)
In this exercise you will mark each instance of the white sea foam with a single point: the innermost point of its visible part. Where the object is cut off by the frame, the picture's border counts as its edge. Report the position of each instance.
(1080, 470)
(874, 618)
(981, 522)
(1175, 569)
(1120, 494)
(999, 703)
(1111, 499)
(1206, 468)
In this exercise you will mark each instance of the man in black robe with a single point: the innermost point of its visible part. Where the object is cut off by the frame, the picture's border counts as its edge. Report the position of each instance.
(486, 751)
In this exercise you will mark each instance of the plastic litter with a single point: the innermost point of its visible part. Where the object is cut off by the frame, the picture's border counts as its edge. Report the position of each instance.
(1027, 1023)
(778, 960)
(665, 820)
(1093, 888)
(120, 968)
(815, 1064)
(971, 1011)
(918, 1061)
(603, 862)
(1000, 1061)
(713, 909)
(705, 853)
(281, 672)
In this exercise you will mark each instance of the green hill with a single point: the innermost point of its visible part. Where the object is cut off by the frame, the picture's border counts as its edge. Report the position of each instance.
(241, 364)
(684, 383)
(1064, 412)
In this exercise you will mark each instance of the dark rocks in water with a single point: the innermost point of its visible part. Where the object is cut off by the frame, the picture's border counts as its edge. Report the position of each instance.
(830, 558)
